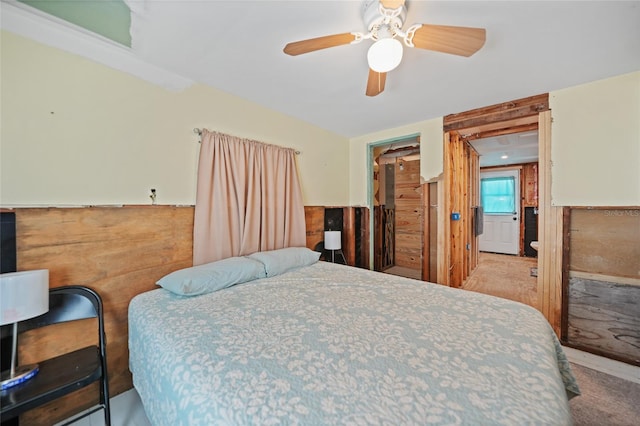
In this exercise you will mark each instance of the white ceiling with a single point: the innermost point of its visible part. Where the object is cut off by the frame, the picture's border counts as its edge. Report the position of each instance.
(531, 48)
(515, 148)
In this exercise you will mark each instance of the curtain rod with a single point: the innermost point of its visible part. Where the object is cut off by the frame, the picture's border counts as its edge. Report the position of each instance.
(199, 133)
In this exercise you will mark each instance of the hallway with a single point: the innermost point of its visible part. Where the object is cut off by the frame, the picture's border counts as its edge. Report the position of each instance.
(505, 276)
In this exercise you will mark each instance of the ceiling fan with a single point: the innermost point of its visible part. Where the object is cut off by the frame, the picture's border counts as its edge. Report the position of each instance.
(384, 20)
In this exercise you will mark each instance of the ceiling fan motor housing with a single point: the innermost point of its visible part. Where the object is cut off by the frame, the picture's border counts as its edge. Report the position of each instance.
(376, 17)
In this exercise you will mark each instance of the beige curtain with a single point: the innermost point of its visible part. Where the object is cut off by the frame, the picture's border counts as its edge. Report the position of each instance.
(248, 199)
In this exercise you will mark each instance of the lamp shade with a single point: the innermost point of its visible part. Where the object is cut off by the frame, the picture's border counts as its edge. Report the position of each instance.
(332, 240)
(384, 55)
(23, 295)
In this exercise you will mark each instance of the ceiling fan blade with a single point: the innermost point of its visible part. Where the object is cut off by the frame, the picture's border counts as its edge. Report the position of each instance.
(375, 83)
(305, 46)
(392, 4)
(463, 41)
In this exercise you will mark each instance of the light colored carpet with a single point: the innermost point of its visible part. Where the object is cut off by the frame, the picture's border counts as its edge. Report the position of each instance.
(605, 400)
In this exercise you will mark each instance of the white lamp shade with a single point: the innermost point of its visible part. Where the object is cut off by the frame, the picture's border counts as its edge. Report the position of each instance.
(332, 240)
(384, 55)
(23, 295)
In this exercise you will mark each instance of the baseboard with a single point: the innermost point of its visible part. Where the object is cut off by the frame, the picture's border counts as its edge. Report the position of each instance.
(604, 365)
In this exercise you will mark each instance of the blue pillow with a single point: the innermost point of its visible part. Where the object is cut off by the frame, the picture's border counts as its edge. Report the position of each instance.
(214, 276)
(279, 261)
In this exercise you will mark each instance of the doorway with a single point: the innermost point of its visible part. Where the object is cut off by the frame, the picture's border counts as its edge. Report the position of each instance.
(498, 125)
(509, 192)
(508, 188)
(396, 205)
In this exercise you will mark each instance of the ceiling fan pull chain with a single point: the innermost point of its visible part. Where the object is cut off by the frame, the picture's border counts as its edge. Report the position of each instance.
(408, 36)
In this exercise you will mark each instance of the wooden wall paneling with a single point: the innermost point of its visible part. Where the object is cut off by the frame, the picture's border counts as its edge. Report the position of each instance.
(453, 206)
(458, 200)
(529, 198)
(464, 203)
(499, 113)
(426, 223)
(564, 314)
(603, 316)
(119, 252)
(377, 237)
(518, 125)
(606, 241)
(530, 184)
(315, 227)
(314, 222)
(474, 201)
(557, 217)
(522, 203)
(442, 234)
(467, 213)
(435, 234)
(408, 215)
(451, 197)
(550, 233)
(456, 228)
(349, 235)
(602, 284)
(364, 238)
(544, 223)
(446, 202)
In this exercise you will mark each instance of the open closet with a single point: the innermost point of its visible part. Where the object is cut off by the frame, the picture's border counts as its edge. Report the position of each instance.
(397, 208)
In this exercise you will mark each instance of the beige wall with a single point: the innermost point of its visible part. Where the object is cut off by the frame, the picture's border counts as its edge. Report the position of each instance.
(595, 143)
(431, 155)
(74, 132)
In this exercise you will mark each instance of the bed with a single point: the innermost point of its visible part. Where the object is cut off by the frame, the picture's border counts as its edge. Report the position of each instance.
(332, 344)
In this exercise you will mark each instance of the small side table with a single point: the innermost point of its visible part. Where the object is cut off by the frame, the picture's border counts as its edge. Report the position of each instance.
(57, 377)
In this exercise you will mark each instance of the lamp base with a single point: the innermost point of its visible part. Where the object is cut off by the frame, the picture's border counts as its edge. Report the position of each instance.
(21, 375)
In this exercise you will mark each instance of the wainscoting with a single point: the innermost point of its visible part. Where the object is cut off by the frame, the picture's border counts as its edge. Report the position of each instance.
(602, 283)
(121, 251)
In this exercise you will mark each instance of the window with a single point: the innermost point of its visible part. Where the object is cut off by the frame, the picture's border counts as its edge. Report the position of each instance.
(497, 195)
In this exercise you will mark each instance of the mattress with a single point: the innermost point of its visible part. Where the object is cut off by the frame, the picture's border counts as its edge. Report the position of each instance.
(333, 344)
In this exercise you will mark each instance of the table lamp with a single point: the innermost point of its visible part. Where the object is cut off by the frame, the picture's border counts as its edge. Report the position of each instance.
(333, 242)
(23, 295)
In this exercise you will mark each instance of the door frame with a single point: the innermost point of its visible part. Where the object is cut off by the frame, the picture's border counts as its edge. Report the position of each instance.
(513, 117)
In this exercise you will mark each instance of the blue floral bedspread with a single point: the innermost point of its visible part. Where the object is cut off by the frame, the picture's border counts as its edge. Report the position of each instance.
(331, 344)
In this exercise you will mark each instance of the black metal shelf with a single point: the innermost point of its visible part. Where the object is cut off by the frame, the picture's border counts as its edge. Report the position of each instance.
(57, 377)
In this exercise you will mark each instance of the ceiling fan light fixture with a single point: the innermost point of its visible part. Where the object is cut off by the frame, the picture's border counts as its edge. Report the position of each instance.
(384, 55)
